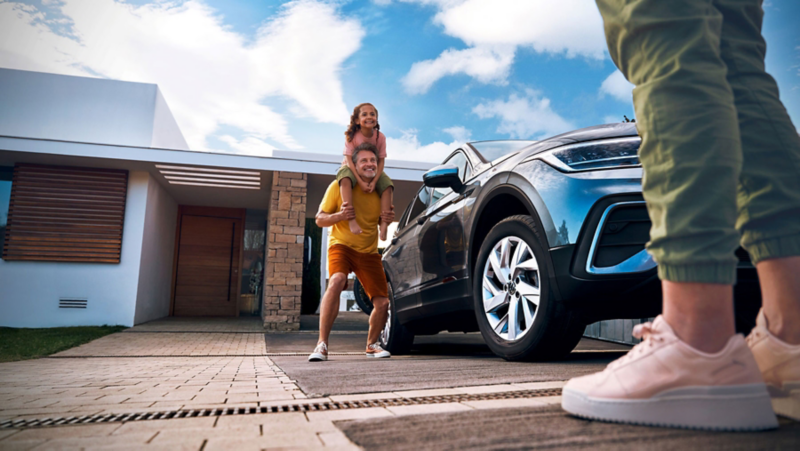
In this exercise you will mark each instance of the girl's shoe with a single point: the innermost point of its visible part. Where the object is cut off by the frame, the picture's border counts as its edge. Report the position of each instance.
(779, 363)
(663, 381)
(376, 351)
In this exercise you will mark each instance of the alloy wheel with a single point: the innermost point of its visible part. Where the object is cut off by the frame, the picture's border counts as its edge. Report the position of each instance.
(511, 288)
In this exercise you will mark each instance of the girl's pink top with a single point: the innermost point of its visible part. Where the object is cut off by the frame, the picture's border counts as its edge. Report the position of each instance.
(377, 138)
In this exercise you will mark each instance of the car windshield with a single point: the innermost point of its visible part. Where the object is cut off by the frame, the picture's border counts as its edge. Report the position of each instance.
(493, 150)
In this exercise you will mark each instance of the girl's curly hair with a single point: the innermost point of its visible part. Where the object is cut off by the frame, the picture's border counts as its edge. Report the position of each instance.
(355, 126)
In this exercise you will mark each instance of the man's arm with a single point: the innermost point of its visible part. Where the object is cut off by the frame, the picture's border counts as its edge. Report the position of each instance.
(328, 219)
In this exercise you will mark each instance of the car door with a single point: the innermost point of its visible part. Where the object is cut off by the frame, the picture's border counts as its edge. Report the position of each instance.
(403, 256)
(442, 243)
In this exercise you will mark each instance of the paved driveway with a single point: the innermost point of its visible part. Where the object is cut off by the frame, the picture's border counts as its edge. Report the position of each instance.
(223, 384)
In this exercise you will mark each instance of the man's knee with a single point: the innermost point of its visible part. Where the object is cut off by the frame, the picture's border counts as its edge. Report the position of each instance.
(338, 282)
(380, 303)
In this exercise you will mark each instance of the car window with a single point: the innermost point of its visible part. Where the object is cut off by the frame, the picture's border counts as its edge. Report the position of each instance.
(419, 204)
(464, 173)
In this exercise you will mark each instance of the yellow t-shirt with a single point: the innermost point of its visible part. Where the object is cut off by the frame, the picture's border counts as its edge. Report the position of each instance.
(368, 214)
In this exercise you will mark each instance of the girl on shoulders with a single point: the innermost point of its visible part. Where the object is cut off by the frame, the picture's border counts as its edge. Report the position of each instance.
(363, 128)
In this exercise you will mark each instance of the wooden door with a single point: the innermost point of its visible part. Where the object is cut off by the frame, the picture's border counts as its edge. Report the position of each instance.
(207, 268)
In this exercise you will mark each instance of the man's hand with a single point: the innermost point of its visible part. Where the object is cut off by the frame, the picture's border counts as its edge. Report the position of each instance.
(388, 216)
(347, 212)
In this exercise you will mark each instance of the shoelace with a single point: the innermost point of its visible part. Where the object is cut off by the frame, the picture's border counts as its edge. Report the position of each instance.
(649, 337)
(375, 347)
(322, 348)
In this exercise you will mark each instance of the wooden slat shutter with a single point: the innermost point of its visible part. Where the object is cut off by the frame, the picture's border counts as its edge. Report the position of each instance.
(65, 214)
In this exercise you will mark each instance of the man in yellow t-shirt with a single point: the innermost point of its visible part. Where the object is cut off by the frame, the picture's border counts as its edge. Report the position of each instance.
(348, 252)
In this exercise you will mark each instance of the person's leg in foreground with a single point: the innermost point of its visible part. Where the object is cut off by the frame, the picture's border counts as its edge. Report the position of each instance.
(691, 370)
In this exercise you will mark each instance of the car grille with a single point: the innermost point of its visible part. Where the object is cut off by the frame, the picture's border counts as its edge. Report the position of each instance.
(626, 231)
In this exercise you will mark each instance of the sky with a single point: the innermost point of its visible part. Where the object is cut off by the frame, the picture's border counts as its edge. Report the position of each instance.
(252, 76)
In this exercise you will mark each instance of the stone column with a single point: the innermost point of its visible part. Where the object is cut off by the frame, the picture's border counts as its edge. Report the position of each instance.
(285, 235)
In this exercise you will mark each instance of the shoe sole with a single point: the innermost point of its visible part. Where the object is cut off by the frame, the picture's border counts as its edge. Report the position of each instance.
(317, 358)
(378, 356)
(786, 401)
(731, 408)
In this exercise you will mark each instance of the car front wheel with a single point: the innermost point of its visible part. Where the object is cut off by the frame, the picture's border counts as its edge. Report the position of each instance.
(517, 313)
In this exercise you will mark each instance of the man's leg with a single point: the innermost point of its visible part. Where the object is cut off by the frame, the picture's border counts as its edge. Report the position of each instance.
(377, 319)
(329, 308)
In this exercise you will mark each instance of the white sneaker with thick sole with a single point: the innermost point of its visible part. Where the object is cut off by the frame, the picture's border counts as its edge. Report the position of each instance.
(663, 381)
(320, 353)
(779, 363)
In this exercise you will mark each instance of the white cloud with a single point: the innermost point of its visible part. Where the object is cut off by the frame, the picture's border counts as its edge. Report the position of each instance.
(247, 146)
(487, 65)
(568, 27)
(459, 133)
(211, 76)
(409, 148)
(528, 116)
(617, 86)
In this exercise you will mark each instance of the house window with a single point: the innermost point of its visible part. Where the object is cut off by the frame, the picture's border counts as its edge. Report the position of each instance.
(6, 174)
(65, 214)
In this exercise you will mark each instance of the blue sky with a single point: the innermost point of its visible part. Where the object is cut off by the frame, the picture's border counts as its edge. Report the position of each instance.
(252, 76)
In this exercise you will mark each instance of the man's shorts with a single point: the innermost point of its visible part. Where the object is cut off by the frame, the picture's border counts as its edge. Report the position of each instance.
(383, 181)
(368, 269)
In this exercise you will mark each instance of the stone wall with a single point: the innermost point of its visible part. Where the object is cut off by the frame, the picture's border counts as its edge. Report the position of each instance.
(285, 235)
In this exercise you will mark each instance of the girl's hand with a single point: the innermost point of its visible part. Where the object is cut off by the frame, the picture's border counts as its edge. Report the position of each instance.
(371, 186)
(364, 187)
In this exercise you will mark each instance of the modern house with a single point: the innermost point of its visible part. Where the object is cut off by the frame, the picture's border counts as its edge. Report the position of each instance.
(108, 217)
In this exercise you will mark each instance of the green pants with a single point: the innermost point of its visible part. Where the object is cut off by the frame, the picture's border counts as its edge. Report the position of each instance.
(721, 157)
(380, 186)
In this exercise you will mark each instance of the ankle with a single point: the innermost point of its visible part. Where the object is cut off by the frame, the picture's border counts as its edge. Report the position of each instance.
(784, 329)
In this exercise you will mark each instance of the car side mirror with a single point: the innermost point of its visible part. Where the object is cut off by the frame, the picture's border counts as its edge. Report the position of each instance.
(443, 176)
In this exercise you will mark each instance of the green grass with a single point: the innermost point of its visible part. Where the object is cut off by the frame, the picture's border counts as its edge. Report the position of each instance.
(23, 344)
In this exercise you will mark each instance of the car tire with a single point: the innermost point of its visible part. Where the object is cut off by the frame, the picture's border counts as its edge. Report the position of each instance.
(362, 299)
(553, 330)
(395, 337)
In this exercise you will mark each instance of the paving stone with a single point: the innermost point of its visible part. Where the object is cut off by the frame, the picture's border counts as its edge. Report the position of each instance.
(89, 430)
(428, 408)
(336, 439)
(348, 414)
(21, 445)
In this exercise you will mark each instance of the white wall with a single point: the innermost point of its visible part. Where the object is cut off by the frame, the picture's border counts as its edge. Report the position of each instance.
(158, 247)
(29, 291)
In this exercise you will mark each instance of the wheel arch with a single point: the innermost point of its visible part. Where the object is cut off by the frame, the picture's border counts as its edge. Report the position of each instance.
(499, 203)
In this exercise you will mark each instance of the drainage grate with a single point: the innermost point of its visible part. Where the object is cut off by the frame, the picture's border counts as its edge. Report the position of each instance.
(307, 406)
(72, 303)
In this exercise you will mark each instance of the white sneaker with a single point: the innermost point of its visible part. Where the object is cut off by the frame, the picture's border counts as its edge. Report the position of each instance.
(320, 353)
(665, 382)
(779, 363)
(376, 351)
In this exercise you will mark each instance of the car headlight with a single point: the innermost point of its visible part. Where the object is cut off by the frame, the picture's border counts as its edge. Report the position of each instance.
(589, 156)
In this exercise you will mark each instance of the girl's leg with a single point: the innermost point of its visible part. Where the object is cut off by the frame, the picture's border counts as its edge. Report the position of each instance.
(387, 199)
(346, 190)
